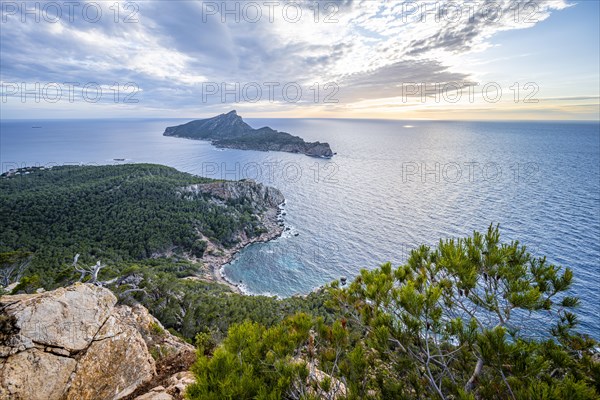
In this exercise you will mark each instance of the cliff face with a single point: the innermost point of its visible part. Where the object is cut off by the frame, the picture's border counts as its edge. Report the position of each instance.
(76, 343)
(259, 195)
(318, 149)
(264, 200)
(230, 131)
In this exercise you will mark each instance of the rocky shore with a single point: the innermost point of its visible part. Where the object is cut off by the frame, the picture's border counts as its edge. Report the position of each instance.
(216, 263)
(268, 204)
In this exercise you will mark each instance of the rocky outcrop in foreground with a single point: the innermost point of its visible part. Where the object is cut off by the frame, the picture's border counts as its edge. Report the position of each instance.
(230, 131)
(77, 343)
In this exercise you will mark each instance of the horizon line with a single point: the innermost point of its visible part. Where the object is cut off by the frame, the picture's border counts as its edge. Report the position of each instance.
(319, 118)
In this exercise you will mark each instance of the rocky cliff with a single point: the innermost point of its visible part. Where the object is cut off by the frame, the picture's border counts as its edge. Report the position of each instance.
(77, 343)
(230, 131)
(266, 202)
(260, 196)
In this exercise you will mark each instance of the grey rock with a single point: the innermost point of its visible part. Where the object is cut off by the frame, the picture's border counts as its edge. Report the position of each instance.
(66, 317)
(35, 375)
(75, 343)
(259, 195)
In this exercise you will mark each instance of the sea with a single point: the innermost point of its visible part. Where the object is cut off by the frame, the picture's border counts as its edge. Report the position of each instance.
(390, 187)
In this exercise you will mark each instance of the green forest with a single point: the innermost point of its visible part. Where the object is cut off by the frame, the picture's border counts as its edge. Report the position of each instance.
(113, 213)
(471, 318)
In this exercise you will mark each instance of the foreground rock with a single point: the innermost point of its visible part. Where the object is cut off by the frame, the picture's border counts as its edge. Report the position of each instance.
(230, 131)
(76, 343)
(175, 388)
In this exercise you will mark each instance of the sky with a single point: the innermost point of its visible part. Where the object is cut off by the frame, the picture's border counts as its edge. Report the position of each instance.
(469, 60)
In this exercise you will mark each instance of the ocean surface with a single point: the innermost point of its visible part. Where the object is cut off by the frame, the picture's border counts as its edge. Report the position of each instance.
(392, 186)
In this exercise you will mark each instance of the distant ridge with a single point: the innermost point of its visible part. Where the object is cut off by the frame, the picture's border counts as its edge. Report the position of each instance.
(230, 131)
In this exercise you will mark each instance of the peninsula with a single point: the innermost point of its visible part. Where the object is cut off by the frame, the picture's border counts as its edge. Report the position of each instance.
(148, 211)
(230, 131)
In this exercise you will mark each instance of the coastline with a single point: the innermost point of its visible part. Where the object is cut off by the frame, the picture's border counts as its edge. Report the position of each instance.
(272, 221)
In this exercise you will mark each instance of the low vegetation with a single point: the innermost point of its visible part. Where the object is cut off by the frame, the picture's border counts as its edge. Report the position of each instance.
(472, 319)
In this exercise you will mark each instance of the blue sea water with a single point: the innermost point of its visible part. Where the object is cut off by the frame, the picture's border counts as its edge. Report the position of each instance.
(392, 186)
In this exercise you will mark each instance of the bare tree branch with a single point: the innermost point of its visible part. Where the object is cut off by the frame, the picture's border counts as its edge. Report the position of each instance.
(92, 270)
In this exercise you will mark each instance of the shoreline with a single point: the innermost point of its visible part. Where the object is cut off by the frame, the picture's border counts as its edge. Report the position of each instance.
(275, 228)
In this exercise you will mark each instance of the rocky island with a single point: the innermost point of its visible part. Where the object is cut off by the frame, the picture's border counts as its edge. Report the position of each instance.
(230, 131)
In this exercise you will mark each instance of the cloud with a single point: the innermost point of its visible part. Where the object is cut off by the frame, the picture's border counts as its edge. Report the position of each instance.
(410, 78)
(369, 49)
(462, 29)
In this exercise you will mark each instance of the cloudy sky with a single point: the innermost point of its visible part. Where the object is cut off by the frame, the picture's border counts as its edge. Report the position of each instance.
(338, 59)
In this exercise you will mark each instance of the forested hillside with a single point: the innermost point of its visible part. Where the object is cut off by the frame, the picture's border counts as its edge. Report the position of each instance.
(140, 222)
(113, 213)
